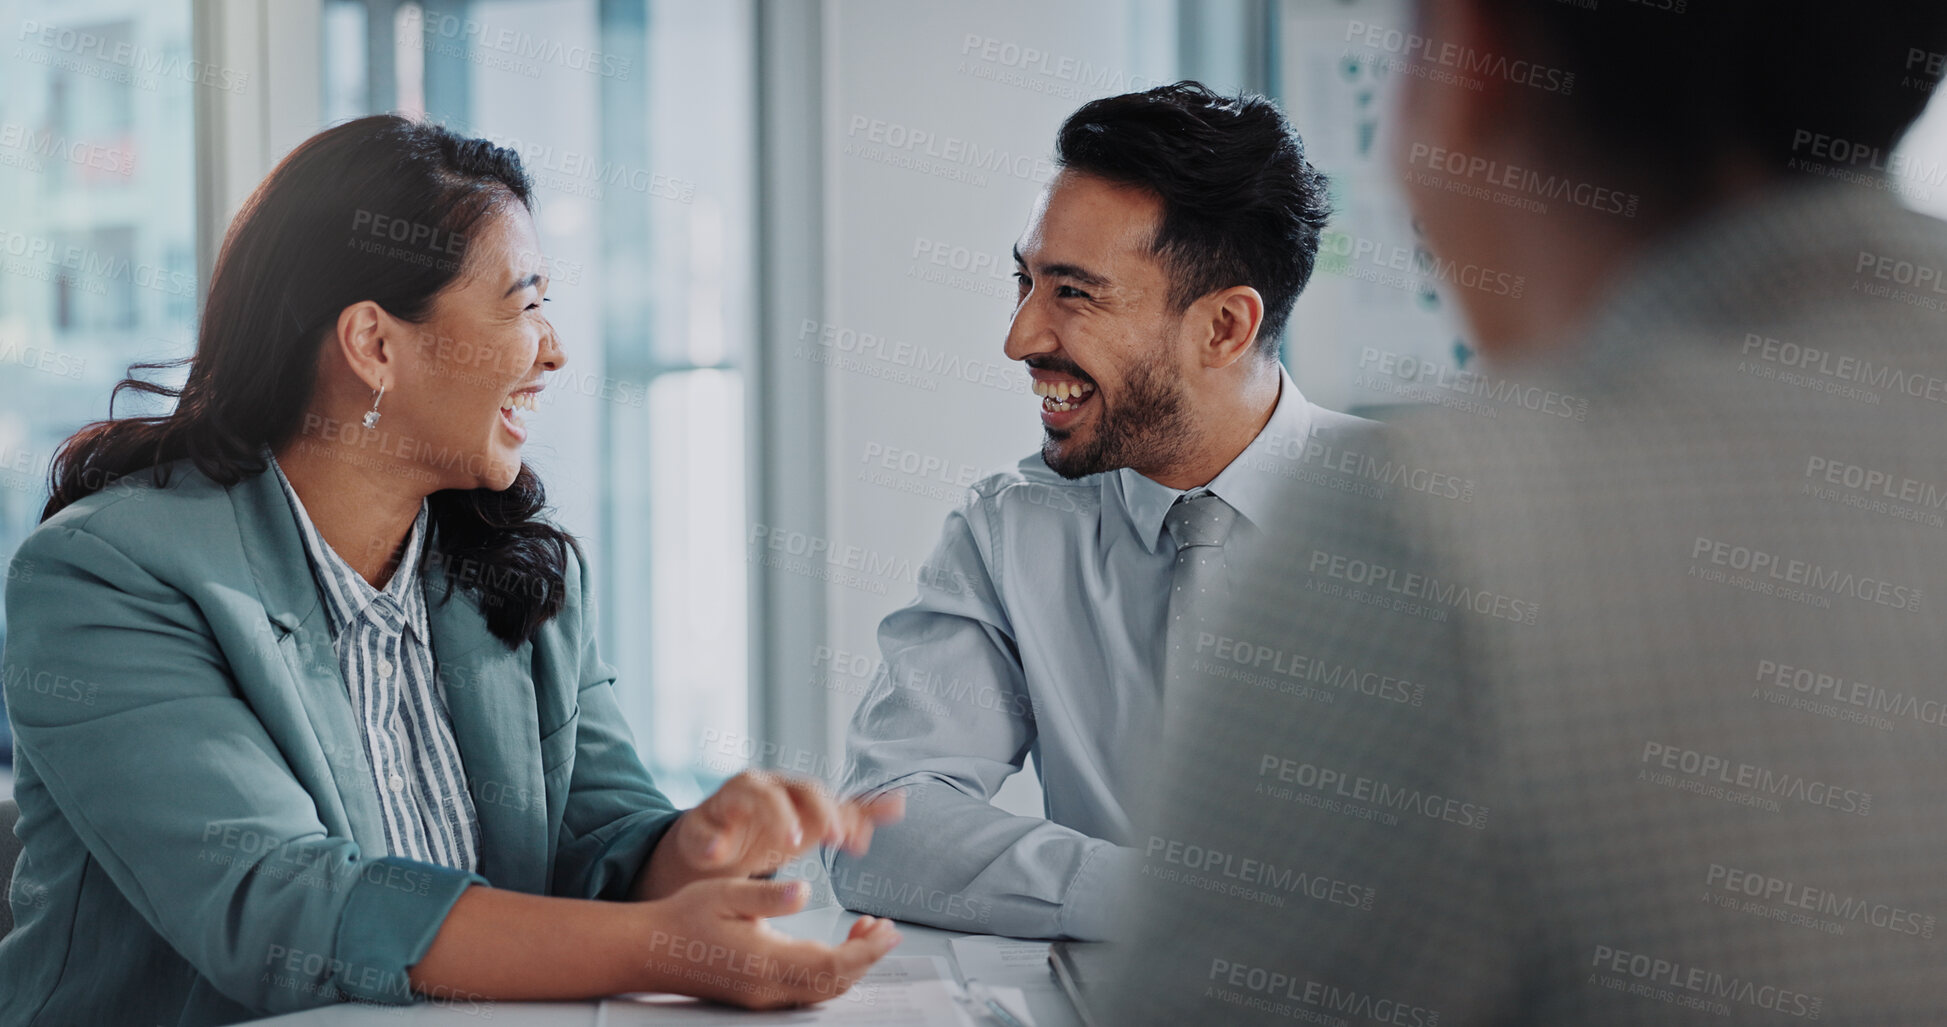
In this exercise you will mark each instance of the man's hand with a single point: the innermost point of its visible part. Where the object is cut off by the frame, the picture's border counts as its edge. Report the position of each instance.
(710, 940)
(756, 823)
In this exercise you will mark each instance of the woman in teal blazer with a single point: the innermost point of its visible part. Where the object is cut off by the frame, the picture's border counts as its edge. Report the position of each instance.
(201, 825)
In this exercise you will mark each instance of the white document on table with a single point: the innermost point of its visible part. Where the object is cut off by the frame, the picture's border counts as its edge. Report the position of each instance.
(1003, 962)
(903, 990)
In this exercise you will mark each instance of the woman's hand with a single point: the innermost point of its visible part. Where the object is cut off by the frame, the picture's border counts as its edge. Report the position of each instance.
(710, 940)
(756, 823)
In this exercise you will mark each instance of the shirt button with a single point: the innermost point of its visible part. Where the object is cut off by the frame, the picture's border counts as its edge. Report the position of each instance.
(396, 783)
(384, 668)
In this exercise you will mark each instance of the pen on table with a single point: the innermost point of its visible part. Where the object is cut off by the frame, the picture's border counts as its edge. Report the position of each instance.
(983, 996)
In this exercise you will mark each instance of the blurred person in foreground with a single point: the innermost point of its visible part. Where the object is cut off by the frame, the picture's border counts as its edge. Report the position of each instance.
(1680, 756)
(304, 684)
(1156, 273)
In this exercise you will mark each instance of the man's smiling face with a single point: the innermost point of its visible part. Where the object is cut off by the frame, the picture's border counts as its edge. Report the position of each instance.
(1095, 326)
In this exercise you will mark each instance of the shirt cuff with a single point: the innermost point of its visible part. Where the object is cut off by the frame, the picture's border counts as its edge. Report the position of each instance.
(625, 849)
(1090, 910)
(396, 908)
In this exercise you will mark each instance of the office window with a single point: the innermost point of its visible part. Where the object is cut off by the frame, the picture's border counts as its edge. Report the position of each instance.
(636, 121)
(1918, 170)
(96, 224)
(1339, 94)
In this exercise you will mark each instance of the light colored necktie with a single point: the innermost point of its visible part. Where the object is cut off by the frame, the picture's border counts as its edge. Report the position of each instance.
(1199, 522)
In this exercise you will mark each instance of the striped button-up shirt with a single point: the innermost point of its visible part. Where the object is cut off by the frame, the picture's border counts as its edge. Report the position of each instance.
(385, 655)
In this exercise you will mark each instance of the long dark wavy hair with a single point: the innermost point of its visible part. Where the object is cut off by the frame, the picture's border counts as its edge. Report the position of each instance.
(288, 266)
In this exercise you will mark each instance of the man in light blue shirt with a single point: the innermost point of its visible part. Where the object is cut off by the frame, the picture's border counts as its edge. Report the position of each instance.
(1156, 273)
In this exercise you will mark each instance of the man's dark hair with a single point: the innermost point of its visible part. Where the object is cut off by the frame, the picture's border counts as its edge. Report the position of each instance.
(1670, 91)
(1241, 206)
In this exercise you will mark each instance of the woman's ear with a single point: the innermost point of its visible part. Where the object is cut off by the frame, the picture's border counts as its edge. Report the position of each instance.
(363, 338)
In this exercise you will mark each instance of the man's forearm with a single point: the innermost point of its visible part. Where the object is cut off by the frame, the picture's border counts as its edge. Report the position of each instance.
(960, 863)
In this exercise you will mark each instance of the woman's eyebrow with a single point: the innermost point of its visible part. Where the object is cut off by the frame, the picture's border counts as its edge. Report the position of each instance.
(533, 278)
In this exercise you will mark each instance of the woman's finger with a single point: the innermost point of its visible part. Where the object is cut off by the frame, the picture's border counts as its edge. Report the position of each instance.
(818, 813)
(855, 955)
(885, 807)
(758, 899)
(831, 971)
(722, 825)
(860, 818)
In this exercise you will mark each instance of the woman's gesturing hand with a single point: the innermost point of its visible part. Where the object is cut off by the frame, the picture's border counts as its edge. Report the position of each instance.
(710, 940)
(757, 822)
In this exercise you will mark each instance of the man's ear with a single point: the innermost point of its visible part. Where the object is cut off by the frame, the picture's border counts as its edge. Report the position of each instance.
(1233, 317)
(363, 332)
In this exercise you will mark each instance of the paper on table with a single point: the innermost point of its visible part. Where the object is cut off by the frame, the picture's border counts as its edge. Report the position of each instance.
(1011, 999)
(915, 990)
(907, 969)
(1003, 961)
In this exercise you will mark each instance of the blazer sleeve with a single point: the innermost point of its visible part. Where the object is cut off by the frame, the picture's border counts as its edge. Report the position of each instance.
(179, 794)
(615, 814)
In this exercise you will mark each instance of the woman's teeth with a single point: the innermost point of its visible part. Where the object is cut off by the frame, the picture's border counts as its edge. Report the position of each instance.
(520, 401)
(1060, 397)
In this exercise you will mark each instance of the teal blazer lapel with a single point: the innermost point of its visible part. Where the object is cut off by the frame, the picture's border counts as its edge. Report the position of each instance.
(325, 747)
(488, 687)
(490, 698)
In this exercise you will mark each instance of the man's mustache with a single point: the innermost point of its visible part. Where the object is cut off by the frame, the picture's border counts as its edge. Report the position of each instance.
(1067, 367)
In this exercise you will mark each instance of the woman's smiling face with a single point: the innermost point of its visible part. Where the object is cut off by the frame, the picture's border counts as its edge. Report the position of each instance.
(473, 367)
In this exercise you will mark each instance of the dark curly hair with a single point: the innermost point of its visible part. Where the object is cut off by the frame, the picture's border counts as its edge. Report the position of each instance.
(282, 278)
(1241, 205)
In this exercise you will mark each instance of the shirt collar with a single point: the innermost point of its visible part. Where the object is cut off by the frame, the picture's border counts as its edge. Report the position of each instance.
(1249, 483)
(349, 596)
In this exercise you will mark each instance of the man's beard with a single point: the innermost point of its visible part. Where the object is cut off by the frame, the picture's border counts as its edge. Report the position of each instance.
(1149, 427)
